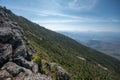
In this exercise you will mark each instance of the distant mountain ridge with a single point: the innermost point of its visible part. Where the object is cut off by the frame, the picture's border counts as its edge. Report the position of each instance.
(54, 49)
(106, 42)
(105, 47)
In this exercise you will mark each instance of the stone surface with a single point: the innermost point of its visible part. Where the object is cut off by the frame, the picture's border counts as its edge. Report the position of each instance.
(20, 51)
(14, 69)
(27, 64)
(5, 53)
(37, 77)
(5, 34)
(4, 75)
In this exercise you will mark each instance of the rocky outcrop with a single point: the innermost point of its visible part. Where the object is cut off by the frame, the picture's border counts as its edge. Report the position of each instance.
(16, 53)
(27, 64)
(15, 59)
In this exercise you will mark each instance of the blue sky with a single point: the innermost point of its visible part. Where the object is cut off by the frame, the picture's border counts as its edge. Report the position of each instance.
(69, 15)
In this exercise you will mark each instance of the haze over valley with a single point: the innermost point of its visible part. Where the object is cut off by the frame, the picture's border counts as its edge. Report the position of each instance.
(106, 42)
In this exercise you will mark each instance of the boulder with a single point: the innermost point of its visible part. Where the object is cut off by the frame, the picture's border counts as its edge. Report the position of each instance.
(5, 53)
(5, 35)
(27, 64)
(20, 51)
(35, 68)
(6, 49)
(15, 70)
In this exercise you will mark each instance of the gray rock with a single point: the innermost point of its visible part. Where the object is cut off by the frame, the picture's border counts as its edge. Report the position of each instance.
(20, 51)
(4, 75)
(35, 68)
(27, 64)
(5, 35)
(5, 53)
(15, 70)
(6, 49)
(37, 77)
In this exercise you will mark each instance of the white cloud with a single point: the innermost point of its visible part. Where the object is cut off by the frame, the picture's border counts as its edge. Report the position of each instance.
(50, 13)
(65, 18)
(76, 4)
(74, 20)
(61, 27)
(79, 28)
(82, 4)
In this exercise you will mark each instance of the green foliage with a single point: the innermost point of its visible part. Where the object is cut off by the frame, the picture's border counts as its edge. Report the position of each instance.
(37, 58)
(43, 68)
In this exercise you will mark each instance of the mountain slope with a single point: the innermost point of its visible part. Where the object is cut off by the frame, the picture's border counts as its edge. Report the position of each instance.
(81, 62)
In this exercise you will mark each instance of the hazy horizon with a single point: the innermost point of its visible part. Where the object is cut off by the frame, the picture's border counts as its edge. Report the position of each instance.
(69, 15)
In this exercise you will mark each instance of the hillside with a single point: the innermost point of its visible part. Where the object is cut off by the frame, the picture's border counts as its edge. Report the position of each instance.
(79, 61)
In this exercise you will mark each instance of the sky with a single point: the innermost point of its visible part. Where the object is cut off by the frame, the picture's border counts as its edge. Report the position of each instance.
(69, 15)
